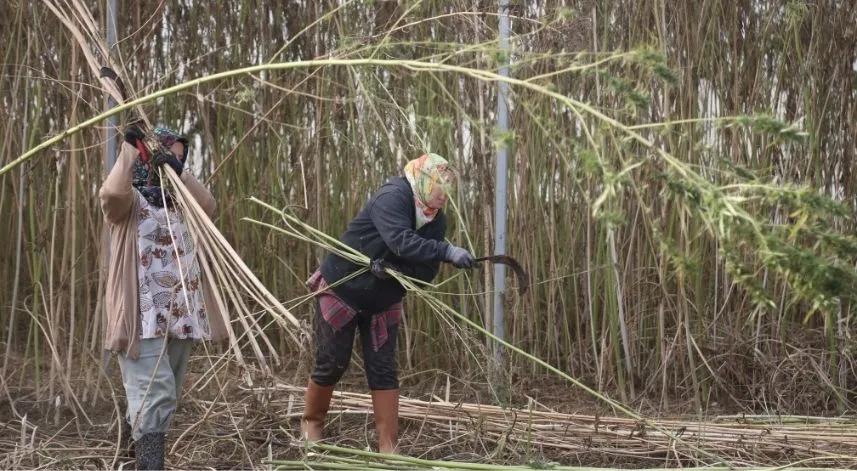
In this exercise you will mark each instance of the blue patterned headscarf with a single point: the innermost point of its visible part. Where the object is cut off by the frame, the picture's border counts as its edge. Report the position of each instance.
(167, 137)
(146, 181)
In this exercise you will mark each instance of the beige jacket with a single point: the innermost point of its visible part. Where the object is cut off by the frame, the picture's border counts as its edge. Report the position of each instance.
(119, 205)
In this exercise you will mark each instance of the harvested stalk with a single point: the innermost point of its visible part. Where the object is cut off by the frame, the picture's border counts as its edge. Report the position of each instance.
(828, 442)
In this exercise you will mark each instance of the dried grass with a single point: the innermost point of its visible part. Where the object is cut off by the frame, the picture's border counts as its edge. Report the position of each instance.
(246, 427)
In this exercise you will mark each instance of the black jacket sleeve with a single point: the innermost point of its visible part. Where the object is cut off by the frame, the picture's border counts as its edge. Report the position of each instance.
(390, 214)
(426, 271)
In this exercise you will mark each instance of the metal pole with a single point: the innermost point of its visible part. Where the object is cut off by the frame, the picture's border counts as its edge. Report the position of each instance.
(110, 146)
(109, 150)
(500, 185)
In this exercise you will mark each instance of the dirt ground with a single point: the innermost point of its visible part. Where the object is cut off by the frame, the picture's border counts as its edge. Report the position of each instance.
(228, 425)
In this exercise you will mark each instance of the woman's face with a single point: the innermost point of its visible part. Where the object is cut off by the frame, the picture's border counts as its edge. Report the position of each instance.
(177, 148)
(440, 190)
(437, 198)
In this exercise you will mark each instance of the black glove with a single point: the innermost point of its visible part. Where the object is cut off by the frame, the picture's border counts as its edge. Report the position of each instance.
(378, 268)
(168, 158)
(459, 257)
(134, 134)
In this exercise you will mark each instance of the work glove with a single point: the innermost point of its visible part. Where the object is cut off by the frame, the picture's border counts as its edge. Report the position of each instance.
(168, 158)
(378, 268)
(133, 134)
(459, 257)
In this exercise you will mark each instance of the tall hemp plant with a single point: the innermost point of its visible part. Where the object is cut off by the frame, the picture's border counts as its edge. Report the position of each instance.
(665, 180)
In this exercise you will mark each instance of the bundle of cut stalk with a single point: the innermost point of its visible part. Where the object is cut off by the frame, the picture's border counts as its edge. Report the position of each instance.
(825, 441)
(232, 281)
(359, 459)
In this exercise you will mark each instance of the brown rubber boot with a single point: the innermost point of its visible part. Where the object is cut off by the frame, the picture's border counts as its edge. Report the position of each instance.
(316, 403)
(385, 405)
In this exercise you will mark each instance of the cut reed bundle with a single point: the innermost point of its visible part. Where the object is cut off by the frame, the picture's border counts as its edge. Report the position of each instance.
(816, 441)
(238, 292)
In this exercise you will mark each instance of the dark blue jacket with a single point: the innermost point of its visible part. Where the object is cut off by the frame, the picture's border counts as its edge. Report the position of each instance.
(384, 229)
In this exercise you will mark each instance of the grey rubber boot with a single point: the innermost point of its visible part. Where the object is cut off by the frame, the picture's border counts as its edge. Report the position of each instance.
(150, 451)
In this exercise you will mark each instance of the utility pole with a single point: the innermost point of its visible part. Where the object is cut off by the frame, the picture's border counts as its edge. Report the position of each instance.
(500, 184)
(110, 141)
(109, 152)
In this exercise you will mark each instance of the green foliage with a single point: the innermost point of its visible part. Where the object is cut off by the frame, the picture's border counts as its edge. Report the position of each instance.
(766, 124)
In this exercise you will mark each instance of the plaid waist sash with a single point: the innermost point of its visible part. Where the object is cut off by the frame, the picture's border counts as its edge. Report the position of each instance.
(337, 313)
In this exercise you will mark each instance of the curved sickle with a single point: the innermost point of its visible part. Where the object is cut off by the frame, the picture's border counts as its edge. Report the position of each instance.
(107, 72)
(136, 114)
(520, 273)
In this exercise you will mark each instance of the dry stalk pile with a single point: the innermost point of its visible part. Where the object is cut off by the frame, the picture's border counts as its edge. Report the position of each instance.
(259, 426)
(741, 440)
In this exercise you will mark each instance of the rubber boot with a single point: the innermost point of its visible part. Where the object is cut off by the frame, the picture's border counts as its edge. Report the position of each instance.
(316, 404)
(385, 406)
(150, 451)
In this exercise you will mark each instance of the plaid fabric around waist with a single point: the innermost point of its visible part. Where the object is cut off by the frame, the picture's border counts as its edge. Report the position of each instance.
(337, 313)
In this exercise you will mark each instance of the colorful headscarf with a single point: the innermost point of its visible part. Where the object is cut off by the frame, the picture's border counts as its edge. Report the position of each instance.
(167, 137)
(146, 181)
(150, 187)
(424, 174)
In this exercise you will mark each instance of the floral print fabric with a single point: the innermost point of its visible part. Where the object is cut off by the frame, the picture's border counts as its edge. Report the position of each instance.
(167, 253)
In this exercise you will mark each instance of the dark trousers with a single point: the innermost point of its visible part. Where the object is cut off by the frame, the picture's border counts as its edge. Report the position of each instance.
(333, 352)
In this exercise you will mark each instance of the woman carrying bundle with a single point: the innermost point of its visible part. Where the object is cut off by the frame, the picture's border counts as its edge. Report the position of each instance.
(401, 228)
(157, 302)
